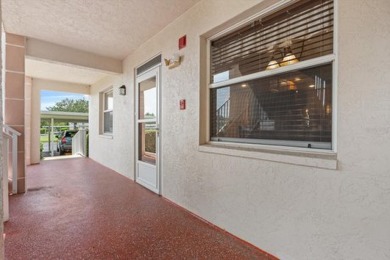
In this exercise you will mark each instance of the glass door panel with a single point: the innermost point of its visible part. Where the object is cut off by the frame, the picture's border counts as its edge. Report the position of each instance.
(147, 130)
(147, 99)
(147, 136)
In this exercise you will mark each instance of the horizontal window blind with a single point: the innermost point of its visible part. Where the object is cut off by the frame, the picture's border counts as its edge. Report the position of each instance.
(304, 30)
(294, 106)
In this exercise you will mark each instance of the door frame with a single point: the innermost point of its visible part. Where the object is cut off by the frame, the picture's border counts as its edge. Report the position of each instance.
(156, 69)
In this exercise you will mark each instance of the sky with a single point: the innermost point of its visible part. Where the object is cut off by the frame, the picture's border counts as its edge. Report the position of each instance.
(150, 101)
(50, 98)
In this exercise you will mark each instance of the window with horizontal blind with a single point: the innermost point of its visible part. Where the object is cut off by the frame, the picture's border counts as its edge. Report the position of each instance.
(271, 80)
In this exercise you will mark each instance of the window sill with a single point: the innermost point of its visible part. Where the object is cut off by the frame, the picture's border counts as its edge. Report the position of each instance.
(288, 155)
(106, 136)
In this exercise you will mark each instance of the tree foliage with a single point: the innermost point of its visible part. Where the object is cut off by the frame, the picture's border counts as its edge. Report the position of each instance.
(70, 105)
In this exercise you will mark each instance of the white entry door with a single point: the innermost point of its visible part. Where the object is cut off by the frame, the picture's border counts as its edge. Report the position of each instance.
(147, 130)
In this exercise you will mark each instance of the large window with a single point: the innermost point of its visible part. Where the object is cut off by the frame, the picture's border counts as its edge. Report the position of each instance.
(271, 80)
(108, 105)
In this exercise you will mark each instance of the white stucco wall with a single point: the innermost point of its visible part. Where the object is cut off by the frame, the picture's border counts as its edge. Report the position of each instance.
(291, 211)
(115, 151)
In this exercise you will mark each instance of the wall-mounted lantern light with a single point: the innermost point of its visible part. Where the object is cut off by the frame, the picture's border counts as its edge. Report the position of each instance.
(122, 90)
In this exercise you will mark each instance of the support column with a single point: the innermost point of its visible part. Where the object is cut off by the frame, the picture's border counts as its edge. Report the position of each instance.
(35, 155)
(14, 112)
(2, 184)
(27, 118)
(51, 138)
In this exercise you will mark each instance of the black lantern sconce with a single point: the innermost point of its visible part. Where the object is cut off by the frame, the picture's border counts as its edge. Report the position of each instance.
(122, 90)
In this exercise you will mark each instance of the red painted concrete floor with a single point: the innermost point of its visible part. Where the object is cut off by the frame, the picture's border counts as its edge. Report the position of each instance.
(78, 209)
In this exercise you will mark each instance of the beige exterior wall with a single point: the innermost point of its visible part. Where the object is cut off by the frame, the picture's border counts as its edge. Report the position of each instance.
(14, 97)
(322, 210)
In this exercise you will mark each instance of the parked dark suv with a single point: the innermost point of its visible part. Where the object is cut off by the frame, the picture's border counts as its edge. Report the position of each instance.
(65, 141)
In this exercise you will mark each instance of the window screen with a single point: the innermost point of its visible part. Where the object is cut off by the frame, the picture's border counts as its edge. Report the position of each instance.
(294, 106)
(291, 108)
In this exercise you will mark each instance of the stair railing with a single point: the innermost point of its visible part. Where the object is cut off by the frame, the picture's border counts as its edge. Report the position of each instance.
(223, 113)
(11, 135)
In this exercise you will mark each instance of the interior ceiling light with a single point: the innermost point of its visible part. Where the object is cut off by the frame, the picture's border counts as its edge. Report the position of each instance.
(291, 85)
(273, 64)
(289, 58)
(287, 54)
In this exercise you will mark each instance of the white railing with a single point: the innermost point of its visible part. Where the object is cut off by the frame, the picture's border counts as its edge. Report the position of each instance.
(10, 136)
(79, 143)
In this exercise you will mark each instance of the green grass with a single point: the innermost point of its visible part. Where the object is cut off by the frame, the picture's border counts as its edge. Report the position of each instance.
(45, 139)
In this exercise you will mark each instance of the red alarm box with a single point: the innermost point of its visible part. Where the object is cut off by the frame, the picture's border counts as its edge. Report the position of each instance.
(182, 104)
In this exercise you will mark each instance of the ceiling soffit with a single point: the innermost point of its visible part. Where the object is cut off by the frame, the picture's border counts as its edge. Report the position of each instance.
(108, 28)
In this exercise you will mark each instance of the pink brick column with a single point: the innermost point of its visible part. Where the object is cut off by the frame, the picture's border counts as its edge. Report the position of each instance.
(14, 112)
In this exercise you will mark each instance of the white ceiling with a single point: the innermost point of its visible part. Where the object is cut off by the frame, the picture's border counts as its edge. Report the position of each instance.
(112, 28)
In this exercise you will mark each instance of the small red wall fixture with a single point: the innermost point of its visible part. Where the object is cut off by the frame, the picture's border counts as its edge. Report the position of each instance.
(182, 42)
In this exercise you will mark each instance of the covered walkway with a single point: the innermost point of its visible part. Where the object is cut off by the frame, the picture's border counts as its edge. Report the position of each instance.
(79, 209)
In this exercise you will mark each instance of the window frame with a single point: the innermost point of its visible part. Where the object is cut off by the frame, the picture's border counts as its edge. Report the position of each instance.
(306, 64)
(104, 111)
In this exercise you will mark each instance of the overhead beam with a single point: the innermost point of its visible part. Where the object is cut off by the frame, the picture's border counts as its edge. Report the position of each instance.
(45, 84)
(59, 115)
(42, 50)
